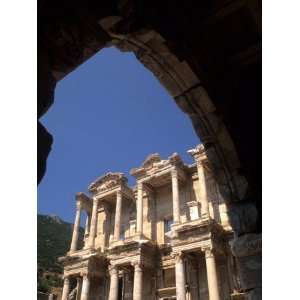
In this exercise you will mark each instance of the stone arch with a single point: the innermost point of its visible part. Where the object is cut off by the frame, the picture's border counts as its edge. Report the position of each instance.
(133, 26)
(192, 98)
(187, 90)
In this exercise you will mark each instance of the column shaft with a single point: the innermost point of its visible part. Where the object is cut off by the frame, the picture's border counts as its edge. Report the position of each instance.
(114, 284)
(212, 278)
(202, 189)
(180, 278)
(85, 288)
(118, 214)
(87, 224)
(175, 194)
(79, 288)
(139, 209)
(87, 230)
(66, 289)
(76, 229)
(93, 224)
(138, 282)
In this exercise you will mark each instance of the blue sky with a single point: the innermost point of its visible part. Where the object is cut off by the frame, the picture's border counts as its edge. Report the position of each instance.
(108, 115)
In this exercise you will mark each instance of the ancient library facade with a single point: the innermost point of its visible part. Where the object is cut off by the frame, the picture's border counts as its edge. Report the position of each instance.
(168, 237)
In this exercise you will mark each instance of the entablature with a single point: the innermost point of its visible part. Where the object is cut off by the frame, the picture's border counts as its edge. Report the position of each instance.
(198, 236)
(93, 264)
(84, 201)
(109, 194)
(133, 253)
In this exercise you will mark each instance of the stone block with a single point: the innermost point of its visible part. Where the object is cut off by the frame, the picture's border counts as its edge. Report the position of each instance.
(250, 272)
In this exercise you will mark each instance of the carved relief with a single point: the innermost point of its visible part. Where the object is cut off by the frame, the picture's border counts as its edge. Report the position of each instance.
(107, 182)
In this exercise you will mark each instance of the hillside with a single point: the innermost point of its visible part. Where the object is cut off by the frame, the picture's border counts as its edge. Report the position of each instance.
(53, 240)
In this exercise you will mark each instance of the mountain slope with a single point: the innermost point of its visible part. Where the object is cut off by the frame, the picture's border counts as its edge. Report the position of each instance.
(53, 240)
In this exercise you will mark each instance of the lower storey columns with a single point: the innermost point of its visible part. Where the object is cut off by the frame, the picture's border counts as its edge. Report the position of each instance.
(114, 280)
(66, 289)
(78, 288)
(212, 278)
(85, 287)
(138, 282)
(180, 277)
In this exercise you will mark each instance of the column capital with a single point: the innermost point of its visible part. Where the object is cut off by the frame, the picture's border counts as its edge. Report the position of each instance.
(138, 266)
(178, 256)
(66, 278)
(78, 205)
(113, 270)
(139, 185)
(198, 153)
(84, 274)
(209, 252)
(174, 172)
(95, 201)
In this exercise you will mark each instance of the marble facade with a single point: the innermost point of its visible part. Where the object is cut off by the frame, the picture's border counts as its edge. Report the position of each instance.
(168, 237)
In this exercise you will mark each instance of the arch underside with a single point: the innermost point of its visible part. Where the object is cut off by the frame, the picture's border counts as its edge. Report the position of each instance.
(213, 73)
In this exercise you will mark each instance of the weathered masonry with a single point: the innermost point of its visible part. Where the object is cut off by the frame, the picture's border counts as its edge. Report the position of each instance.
(207, 55)
(166, 238)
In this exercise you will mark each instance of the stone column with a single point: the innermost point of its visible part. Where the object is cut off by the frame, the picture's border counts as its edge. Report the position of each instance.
(202, 189)
(180, 277)
(76, 228)
(199, 154)
(93, 227)
(51, 297)
(66, 289)
(118, 213)
(212, 278)
(78, 288)
(87, 224)
(138, 282)
(114, 283)
(139, 209)
(85, 287)
(175, 193)
(87, 230)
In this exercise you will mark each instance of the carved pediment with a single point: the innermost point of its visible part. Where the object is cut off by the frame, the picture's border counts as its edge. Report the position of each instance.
(107, 181)
(154, 163)
(150, 160)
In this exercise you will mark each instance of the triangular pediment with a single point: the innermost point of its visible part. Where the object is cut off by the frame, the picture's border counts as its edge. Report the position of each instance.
(108, 181)
(150, 160)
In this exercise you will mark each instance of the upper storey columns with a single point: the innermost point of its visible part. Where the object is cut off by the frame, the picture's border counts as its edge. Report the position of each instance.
(139, 209)
(200, 158)
(93, 228)
(118, 213)
(202, 189)
(76, 227)
(83, 202)
(175, 195)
